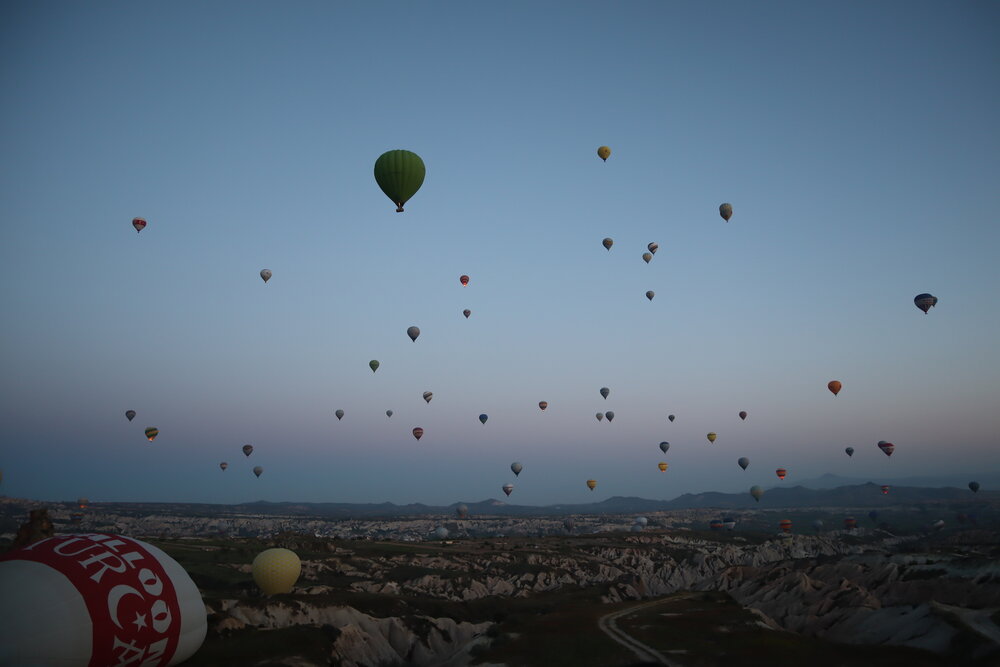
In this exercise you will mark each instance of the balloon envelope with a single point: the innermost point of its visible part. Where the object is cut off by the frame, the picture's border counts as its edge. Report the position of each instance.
(600, 416)
(413, 332)
(743, 415)
(887, 447)
(885, 489)
(711, 437)
(647, 256)
(591, 484)
(139, 224)
(466, 312)
(726, 211)
(483, 418)
(275, 571)
(604, 153)
(653, 247)
(607, 243)
(662, 465)
(849, 450)
(464, 280)
(462, 511)
(265, 275)
(418, 433)
(441, 532)
(756, 492)
(151, 433)
(507, 488)
(834, 386)
(609, 415)
(925, 302)
(664, 446)
(743, 462)
(340, 414)
(223, 465)
(247, 450)
(543, 404)
(974, 487)
(781, 472)
(130, 414)
(428, 395)
(671, 417)
(650, 294)
(399, 174)
(78, 599)
(388, 413)
(604, 392)
(516, 468)
(257, 470)
(373, 364)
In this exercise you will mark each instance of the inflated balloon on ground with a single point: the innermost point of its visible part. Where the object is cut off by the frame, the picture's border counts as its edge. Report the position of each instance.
(275, 571)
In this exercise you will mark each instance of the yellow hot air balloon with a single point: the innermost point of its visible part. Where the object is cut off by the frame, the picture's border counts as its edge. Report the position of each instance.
(604, 153)
(276, 570)
(662, 466)
(591, 484)
(711, 437)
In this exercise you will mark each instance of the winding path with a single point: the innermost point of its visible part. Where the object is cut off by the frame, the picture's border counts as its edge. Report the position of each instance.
(609, 626)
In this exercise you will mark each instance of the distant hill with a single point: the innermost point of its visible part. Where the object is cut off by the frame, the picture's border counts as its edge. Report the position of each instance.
(988, 479)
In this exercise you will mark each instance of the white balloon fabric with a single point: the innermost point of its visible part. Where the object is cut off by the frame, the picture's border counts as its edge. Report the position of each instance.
(96, 599)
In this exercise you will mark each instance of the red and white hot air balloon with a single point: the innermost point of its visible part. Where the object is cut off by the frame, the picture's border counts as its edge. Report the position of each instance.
(95, 599)
(139, 224)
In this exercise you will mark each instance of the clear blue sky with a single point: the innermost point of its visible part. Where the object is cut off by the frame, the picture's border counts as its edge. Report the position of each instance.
(857, 142)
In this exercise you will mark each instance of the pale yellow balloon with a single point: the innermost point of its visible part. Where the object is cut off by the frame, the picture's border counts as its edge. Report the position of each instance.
(604, 153)
(276, 571)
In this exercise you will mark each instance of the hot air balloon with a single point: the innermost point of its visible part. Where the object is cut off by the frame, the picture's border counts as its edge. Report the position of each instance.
(591, 484)
(139, 224)
(607, 243)
(464, 280)
(97, 599)
(82, 503)
(664, 446)
(925, 302)
(516, 468)
(726, 211)
(507, 488)
(130, 415)
(818, 525)
(265, 274)
(466, 312)
(743, 462)
(974, 487)
(462, 511)
(849, 450)
(785, 525)
(600, 416)
(850, 523)
(483, 418)
(887, 447)
(781, 472)
(653, 247)
(743, 415)
(340, 414)
(756, 492)
(604, 392)
(569, 523)
(400, 174)
(834, 386)
(647, 257)
(671, 417)
(609, 415)
(247, 450)
(223, 465)
(257, 470)
(388, 413)
(428, 395)
(711, 437)
(885, 489)
(715, 524)
(151, 433)
(373, 364)
(413, 332)
(542, 405)
(441, 532)
(662, 466)
(418, 433)
(729, 523)
(275, 571)
(604, 153)
(650, 294)
(642, 521)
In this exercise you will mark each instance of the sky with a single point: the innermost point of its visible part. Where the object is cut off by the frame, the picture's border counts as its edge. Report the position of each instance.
(856, 142)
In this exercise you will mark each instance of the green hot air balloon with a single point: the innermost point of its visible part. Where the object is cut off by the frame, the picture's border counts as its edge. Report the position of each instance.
(400, 174)
(756, 492)
(373, 364)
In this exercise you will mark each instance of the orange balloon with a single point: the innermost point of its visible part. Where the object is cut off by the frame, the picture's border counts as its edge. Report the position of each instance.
(781, 472)
(834, 386)
(591, 484)
(662, 466)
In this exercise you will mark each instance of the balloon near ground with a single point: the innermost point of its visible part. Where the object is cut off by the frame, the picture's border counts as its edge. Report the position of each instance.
(604, 153)
(974, 487)
(79, 599)
(756, 492)
(399, 174)
(785, 525)
(275, 571)
(885, 489)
